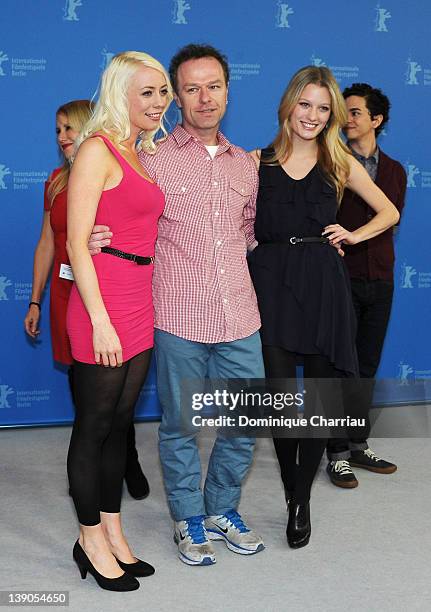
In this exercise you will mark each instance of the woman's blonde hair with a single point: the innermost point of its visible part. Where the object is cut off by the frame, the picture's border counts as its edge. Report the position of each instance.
(111, 112)
(77, 113)
(332, 152)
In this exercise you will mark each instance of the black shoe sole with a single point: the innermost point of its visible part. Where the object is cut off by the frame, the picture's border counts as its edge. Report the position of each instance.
(299, 544)
(371, 468)
(139, 497)
(345, 485)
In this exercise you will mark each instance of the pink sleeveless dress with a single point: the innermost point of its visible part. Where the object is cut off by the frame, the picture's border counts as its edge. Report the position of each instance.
(131, 210)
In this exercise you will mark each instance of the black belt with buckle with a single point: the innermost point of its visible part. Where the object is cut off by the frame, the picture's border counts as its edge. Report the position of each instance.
(137, 259)
(300, 240)
(308, 239)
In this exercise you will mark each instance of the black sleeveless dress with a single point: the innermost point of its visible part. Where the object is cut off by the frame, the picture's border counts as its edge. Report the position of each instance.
(303, 290)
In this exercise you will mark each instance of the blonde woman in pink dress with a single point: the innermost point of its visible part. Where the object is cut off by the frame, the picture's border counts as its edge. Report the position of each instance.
(110, 313)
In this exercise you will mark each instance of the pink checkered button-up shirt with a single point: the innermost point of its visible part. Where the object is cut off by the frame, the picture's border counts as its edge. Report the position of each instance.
(202, 289)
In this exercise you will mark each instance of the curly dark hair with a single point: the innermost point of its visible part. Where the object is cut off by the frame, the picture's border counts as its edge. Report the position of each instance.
(196, 51)
(375, 100)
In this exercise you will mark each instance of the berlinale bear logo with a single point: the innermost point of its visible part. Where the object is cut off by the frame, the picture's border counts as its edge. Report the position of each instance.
(70, 10)
(180, 7)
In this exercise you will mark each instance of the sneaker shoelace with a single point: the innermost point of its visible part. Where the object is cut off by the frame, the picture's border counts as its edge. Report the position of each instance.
(234, 519)
(195, 529)
(343, 467)
(371, 455)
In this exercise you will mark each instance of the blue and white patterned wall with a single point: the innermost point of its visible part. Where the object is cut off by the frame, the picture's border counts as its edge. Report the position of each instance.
(52, 51)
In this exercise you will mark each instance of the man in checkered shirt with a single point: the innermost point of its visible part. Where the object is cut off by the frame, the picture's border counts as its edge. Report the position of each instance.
(206, 314)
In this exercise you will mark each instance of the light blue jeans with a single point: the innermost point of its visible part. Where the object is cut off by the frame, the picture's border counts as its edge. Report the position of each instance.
(179, 359)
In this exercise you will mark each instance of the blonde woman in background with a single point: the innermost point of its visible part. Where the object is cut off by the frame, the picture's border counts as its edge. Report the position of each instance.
(301, 282)
(110, 312)
(51, 249)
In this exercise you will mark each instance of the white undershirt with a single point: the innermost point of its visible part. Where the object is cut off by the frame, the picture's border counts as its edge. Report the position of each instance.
(212, 150)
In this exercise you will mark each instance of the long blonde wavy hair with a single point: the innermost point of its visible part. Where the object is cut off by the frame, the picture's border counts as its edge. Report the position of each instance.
(111, 112)
(77, 113)
(332, 154)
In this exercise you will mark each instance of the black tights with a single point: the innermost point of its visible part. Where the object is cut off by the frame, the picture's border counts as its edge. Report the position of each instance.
(105, 401)
(299, 458)
(132, 461)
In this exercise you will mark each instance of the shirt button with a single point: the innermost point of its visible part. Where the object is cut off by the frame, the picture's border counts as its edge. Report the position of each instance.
(222, 271)
(369, 216)
(218, 242)
(208, 158)
(217, 213)
(215, 184)
(224, 300)
(183, 189)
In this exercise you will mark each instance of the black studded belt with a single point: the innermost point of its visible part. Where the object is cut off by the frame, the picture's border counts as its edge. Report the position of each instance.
(137, 259)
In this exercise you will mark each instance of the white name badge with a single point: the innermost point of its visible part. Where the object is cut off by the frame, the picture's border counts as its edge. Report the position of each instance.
(66, 272)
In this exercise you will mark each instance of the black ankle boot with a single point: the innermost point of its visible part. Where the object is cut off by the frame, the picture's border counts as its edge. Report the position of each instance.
(288, 496)
(136, 481)
(298, 527)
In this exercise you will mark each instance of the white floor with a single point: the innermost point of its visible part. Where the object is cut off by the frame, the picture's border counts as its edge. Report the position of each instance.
(370, 549)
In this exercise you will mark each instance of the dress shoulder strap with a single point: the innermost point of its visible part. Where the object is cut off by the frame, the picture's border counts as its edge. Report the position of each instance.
(266, 153)
(123, 163)
(265, 169)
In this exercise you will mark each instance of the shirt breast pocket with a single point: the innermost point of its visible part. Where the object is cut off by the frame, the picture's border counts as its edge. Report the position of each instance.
(182, 201)
(240, 192)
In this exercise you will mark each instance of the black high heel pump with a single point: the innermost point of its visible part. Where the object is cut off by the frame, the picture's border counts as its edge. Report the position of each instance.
(122, 583)
(139, 568)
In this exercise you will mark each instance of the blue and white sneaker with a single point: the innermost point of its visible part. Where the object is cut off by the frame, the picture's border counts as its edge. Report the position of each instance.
(194, 548)
(236, 535)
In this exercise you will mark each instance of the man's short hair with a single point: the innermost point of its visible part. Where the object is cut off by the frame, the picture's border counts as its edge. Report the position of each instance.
(194, 51)
(375, 100)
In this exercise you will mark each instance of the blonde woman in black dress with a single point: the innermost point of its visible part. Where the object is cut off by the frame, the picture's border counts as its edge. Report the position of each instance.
(301, 281)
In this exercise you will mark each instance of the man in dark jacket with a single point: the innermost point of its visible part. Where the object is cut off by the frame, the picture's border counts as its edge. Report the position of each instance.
(370, 266)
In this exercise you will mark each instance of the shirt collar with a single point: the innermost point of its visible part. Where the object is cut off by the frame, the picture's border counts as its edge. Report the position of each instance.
(361, 158)
(181, 137)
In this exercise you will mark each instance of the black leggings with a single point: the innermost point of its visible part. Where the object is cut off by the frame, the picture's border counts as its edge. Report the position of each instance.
(105, 401)
(299, 458)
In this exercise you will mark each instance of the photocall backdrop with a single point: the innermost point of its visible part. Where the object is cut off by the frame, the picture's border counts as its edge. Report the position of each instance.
(53, 51)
